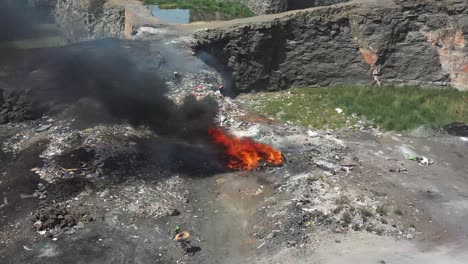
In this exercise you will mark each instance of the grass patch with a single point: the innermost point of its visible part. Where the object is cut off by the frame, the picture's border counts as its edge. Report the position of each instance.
(234, 9)
(390, 108)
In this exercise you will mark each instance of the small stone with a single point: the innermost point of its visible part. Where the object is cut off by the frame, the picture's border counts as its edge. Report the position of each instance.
(80, 225)
(337, 241)
(40, 187)
(291, 243)
(220, 181)
(175, 212)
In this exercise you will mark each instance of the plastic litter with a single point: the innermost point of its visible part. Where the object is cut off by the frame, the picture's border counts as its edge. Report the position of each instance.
(421, 160)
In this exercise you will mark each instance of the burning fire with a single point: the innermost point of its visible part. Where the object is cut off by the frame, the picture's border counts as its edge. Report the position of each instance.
(245, 154)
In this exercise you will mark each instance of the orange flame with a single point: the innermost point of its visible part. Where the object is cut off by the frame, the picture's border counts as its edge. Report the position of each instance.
(245, 154)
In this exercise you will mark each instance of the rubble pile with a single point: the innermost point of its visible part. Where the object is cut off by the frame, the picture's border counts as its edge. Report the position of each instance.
(59, 219)
(88, 152)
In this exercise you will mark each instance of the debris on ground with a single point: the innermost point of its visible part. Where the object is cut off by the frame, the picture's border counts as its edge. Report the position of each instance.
(182, 236)
(421, 160)
(58, 219)
(43, 128)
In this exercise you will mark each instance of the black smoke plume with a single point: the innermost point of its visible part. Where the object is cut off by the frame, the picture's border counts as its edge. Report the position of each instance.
(104, 70)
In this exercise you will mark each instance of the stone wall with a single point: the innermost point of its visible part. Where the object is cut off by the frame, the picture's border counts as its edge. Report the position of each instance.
(407, 43)
(267, 6)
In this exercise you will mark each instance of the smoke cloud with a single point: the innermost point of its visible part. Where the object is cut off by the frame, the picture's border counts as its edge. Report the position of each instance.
(104, 70)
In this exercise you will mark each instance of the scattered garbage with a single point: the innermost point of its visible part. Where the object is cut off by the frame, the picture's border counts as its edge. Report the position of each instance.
(43, 128)
(311, 133)
(27, 248)
(421, 160)
(5, 200)
(339, 110)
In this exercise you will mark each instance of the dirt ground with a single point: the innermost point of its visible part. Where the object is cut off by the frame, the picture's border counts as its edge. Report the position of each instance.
(271, 215)
(79, 186)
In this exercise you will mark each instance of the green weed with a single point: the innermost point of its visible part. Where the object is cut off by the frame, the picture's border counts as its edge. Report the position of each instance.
(390, 108)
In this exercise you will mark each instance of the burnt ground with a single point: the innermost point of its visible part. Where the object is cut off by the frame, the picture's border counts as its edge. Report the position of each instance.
(399, 211)
(89, 188)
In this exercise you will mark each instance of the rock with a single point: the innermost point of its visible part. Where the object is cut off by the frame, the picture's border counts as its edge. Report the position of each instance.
(81, 20)
(337, 241)
(343, 44)
(41, 187)
(80, 225)
(175, 212)
(291, 243)
(267, 6)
